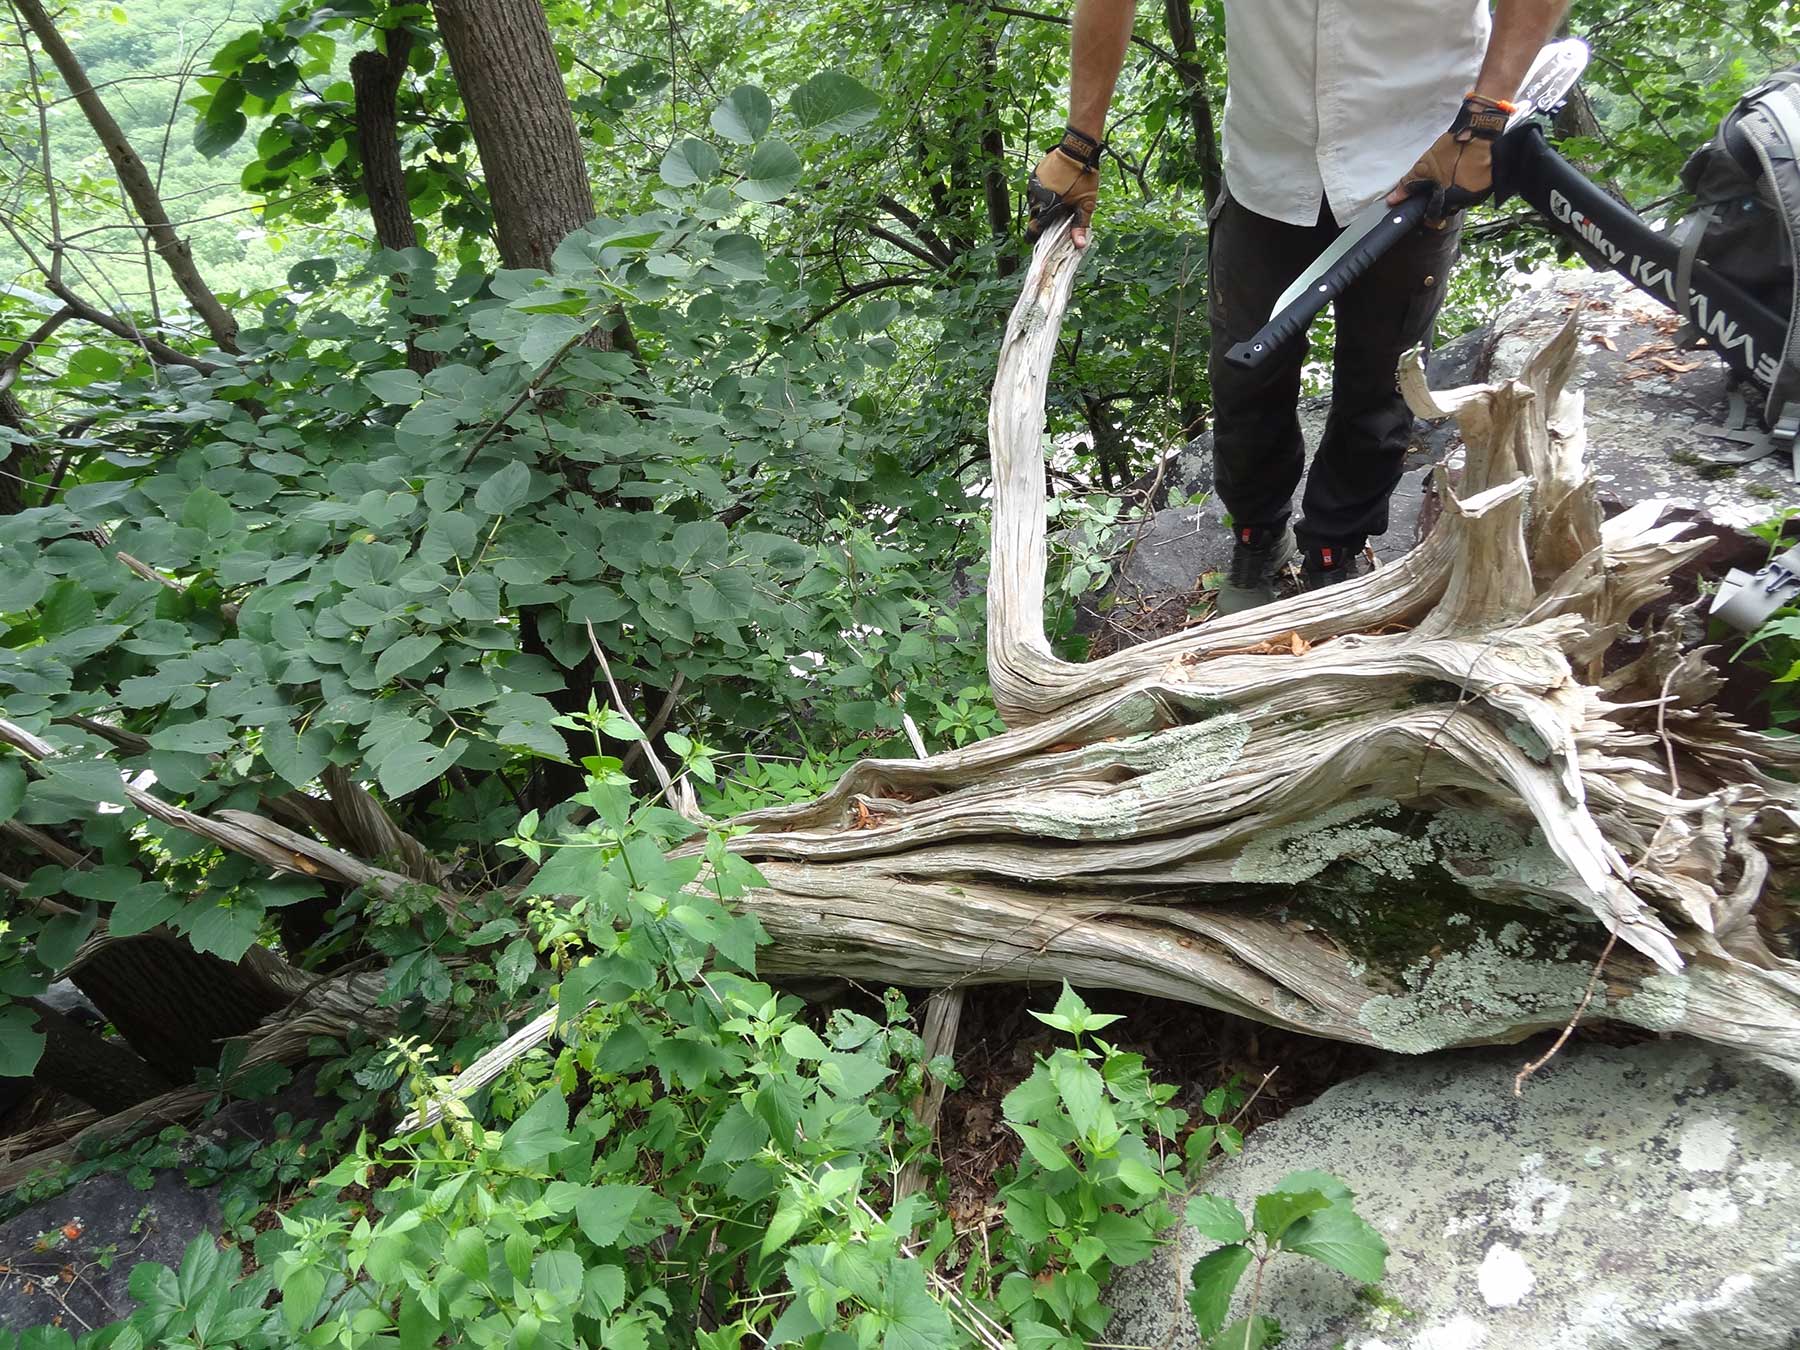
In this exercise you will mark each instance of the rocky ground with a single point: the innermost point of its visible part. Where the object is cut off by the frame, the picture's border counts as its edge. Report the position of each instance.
(1634, 1198)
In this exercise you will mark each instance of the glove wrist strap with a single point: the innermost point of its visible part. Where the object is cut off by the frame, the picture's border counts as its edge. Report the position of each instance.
(1081, 148)
(1481, 118)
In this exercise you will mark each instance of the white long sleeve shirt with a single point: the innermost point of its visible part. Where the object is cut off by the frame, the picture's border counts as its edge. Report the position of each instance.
(1335, 99)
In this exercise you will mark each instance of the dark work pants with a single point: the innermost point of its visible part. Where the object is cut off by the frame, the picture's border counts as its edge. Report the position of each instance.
(1258, 455)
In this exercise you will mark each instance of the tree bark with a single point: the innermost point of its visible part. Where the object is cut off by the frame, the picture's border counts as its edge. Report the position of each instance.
(173, 1005)
(1180, 17)
(375, 77)
(88, 1067)
(537, 179)
(996, 183)
(134, 178)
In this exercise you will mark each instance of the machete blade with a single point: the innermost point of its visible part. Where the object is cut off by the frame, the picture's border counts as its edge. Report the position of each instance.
(1558, 65)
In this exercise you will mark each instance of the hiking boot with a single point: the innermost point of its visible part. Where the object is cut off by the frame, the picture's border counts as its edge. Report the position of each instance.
(1258, 554)
(1328, 564)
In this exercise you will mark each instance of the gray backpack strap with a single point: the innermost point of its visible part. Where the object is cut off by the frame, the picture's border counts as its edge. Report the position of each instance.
(1687, 238)
(1771, 122)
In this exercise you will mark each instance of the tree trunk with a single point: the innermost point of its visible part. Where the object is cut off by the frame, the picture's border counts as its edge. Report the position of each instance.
(537, 178)
(531, 156)
(996, 185)
(133, 177)
(173, 1005)
(1180, 17)
(78, 1061)
(1407, 812)
(375, 77)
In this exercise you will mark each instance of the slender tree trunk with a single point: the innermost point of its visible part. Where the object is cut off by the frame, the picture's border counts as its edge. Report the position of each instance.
(133, 177)
(537, 179)
(12, 456)
(996, 180)
(1180, 16)
(376, 76)
(104, 1074)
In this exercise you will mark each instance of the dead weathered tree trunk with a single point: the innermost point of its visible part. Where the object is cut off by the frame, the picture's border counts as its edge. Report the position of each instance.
(1406, 812)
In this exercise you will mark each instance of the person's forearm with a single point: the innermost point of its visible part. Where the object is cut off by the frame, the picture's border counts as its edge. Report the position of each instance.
(1102, 32)
(1521, 28)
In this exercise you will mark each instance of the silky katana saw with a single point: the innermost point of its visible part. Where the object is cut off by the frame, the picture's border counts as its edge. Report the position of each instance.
(1747, 333)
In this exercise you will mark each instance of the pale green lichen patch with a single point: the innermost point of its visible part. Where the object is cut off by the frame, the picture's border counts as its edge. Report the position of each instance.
(1528, 740)
(1298, 852)
(1167, 763)
(1660, 1003)
(1484, 849)
(1491, 988)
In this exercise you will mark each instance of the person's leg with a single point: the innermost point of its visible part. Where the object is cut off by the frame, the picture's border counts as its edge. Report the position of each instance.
(1258, 454)
(1362, 453)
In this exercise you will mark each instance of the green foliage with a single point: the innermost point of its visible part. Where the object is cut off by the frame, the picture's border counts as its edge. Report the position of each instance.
(1308, 1214)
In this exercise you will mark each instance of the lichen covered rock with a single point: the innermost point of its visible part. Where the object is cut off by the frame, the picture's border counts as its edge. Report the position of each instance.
(1637, 1198)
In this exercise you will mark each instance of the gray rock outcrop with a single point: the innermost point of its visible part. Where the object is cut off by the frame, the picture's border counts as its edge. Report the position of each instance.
(1638, 1198)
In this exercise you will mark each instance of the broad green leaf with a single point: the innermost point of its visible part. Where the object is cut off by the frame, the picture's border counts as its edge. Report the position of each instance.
(1045, 1149)
(784, 1225)
(689, 161)
(547, 335)
(1140, 1176)
(831, 103)
(466, 1250)
(214, 134)
(744, 115)
(393, 386)
(539, 1132)
(770, 173)
(21, 1043)
(405, 654)
(603, 1212)
(298, 757)
(1081, 1089)
(301, 1291)
(558, 1274)
(12, 787)
(1277, 1211)
(1217, 1218)
(1215, 1278)
(227, 931)
(803, 1043)
(406, 768)
(1343, 1240)
(506, 490)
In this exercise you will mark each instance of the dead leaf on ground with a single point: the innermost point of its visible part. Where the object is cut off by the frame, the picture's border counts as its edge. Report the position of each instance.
(1602, 340)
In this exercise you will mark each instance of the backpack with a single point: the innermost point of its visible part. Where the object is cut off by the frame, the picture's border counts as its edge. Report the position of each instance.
(1745, 225)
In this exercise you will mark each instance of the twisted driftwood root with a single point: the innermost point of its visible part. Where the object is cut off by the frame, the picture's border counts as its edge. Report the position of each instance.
(1404, 812)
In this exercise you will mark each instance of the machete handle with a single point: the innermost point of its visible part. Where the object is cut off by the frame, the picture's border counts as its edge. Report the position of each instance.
(1282, 328)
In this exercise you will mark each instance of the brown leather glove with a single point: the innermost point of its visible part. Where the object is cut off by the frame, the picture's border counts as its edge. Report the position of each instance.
(1066, 182)
(1458, 169)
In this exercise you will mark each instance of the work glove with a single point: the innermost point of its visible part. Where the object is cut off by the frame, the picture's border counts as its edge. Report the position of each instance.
(1066, 182)
(1458, 169)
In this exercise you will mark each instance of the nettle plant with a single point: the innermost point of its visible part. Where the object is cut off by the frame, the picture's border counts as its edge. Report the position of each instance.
(1310, 1214)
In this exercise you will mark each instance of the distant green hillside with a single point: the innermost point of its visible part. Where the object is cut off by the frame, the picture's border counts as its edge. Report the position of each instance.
(144, 57)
